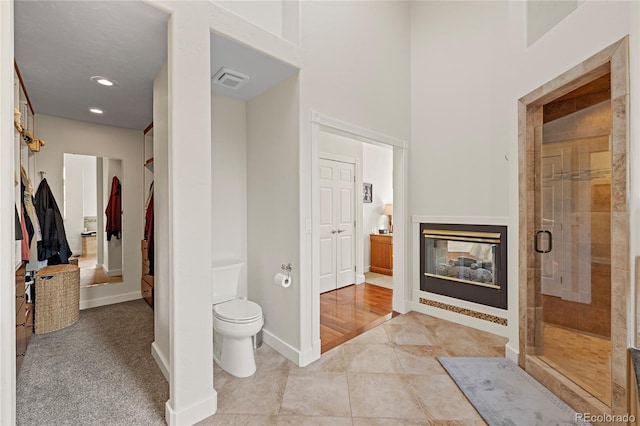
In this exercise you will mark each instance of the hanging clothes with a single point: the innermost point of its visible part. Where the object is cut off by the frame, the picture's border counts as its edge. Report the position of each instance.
(19, 235)
(149, 231)
(114, 210)
(24, 245)
(54, 246)
(28, 203)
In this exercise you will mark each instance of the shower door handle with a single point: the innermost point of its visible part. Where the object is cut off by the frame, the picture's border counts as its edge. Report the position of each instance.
(537, 241)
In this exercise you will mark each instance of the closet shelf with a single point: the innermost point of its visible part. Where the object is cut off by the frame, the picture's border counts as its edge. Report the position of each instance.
(149, 164)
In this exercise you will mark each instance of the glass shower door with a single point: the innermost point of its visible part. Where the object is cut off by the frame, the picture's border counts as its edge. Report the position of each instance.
(573, 242)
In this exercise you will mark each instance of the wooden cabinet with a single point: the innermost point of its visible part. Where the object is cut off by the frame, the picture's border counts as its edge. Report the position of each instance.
(24, 317)
(381, 253)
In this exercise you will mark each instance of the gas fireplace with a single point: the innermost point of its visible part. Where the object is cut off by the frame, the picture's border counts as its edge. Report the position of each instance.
(467, 262)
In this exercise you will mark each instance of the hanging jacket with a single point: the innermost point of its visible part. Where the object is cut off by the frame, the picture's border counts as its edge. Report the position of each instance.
(114, 210)
(54, 246)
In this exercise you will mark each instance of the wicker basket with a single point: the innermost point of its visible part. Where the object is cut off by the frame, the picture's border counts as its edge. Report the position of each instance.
(57, 298)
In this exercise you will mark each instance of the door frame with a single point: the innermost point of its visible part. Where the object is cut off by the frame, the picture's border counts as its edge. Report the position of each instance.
(614, 59)
(358, 248)
(401, 283)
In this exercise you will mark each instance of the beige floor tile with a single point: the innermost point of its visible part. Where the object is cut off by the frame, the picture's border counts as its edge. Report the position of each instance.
(239, 420)
(369, 421)
(259, 394)
(374, 358)
(267, 359)
(332, 361)
(314, 421)
(220, 377)
(316, 394)
(383, 396)
(442, 399)
(376, 335)
(420, 359)
(410, 334)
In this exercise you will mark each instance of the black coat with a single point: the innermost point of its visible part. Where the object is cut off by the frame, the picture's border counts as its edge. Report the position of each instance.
(54, 246)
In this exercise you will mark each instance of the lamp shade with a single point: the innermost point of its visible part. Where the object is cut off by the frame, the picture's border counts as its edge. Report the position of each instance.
(388, 209)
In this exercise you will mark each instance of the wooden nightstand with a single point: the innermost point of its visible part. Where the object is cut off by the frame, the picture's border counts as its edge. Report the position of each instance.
(381, 253)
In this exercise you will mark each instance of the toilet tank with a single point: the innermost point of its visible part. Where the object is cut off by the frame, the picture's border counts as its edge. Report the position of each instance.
(226, 277)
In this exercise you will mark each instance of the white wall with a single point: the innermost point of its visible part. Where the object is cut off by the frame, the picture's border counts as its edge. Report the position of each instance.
(161, 344)
(377, 169)
(273, 209)
(70, 136)
(466, 80)
(355, 58)
(265, 14)
(229, 181)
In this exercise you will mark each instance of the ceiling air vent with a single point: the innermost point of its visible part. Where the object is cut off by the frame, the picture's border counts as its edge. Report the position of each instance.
(230, 78)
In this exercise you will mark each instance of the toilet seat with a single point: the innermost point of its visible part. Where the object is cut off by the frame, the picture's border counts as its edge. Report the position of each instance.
(238, 311)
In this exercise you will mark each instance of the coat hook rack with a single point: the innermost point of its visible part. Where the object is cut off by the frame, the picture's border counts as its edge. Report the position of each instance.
(42, 173)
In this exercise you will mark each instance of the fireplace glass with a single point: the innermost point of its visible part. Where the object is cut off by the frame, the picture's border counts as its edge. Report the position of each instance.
(462, 256)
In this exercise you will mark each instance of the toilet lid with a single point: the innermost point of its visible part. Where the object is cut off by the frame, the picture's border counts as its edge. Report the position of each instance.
(238, 311)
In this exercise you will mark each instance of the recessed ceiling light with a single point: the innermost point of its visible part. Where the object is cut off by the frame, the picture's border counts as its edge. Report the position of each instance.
(96, 111)
(104, 81)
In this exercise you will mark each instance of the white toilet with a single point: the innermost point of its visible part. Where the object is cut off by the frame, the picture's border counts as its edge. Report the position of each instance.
(235, 321)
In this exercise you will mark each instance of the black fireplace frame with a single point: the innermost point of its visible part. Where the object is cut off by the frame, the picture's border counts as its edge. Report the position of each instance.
(460, 290)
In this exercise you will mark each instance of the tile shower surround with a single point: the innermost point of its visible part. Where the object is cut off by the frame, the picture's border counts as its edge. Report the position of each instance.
(614, 59)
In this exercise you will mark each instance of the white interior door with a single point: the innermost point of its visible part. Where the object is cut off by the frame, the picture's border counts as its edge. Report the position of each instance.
(337, 226)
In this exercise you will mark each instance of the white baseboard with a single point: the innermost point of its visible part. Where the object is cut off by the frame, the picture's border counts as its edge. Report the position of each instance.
(359, 278)
(282, 347)
(193, 414)
(113, 272)
(162, 362)
(310, 355)
(511, 353)
(367, 269)
(109, 300)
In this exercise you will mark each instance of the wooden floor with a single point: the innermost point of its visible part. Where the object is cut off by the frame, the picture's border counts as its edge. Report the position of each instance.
(349, 311)
(91, 276)
(584, 359)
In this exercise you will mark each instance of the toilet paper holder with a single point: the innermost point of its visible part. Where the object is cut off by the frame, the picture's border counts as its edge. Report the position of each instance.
(287, 268)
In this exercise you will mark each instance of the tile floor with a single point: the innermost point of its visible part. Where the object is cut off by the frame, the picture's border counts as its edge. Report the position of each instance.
(389, 375)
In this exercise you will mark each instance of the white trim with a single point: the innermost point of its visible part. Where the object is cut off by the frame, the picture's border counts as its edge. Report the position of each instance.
(338, 157)
(285, 349)
(511, 352)
(162, 362)
(356, 132)
(193, 414)
(310, 355)
(113, 272)
(360, 278)
(465, 220)
(109, 300)
(7, 264)
(465, 320)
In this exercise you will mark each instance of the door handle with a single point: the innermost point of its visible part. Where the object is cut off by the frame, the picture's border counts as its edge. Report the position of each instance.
(537, 241)
(333, 231)
(341, 231)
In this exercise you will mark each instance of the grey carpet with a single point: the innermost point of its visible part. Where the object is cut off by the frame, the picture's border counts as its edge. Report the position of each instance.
(98, 371)
(505, 395)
